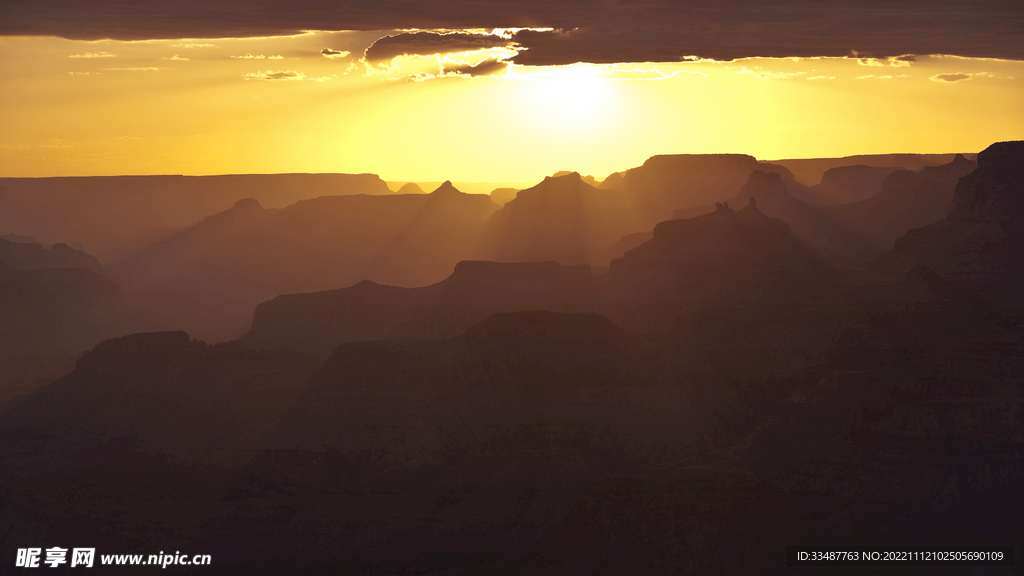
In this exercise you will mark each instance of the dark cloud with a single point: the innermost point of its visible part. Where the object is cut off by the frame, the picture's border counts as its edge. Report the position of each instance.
(427, 43)
(586, 30)
(607, 46)
(331, 53)
(485, 68)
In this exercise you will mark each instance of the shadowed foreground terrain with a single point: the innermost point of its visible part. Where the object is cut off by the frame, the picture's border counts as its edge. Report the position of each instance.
(723, 391)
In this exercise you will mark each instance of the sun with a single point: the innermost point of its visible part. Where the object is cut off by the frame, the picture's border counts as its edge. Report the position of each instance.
(569, 97)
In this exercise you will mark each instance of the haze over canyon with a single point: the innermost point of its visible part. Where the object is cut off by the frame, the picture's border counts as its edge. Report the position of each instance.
(647, 372)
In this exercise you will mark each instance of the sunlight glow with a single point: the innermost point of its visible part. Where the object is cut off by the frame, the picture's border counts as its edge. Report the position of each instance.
(569, 98)
(311, 103)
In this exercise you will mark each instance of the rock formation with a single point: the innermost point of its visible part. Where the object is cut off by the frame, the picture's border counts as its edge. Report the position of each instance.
(727, 257)
(209, 277)
(907, 200)
(845, 184)
(318, 322)
(562, 219)
(839, 245)
(980, 243)
(32, 256)
(107, 212)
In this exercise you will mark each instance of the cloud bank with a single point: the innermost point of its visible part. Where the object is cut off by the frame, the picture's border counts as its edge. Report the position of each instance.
(428, 43)
(596, 31)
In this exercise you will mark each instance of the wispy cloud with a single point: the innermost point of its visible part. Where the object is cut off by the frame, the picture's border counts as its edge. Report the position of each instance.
(881, 76)
(258, 57)
(271, 75)
(951, 77)
(93, 55)
(193, 45)
(176, 57)
(766, 75)
(778, 75)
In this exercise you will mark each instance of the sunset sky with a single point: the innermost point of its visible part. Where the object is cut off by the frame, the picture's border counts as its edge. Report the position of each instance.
(429, 99)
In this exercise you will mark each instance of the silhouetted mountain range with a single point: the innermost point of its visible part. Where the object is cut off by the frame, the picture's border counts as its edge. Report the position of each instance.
(845, 184)
(526, 422)
(811, 170)
(31, 256)
(467, 187)
(668, 183)
(980, 243)
(588, 179)
(319, 321)
(562, 218)
(228, 263)
(19, 239)
(829, 237)
(502, 196)
(628, 242)
(728, 256)
(906, 200)
(505, 375)
(106, 212)
(410, 188)
(720, 393)
(170, 394)
(54, 304)
(850, 234)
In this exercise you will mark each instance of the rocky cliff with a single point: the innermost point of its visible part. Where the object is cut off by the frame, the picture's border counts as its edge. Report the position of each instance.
(318, 322)
(980, 243)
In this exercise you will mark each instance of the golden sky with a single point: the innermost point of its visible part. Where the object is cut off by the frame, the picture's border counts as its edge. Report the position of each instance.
(312, 103)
